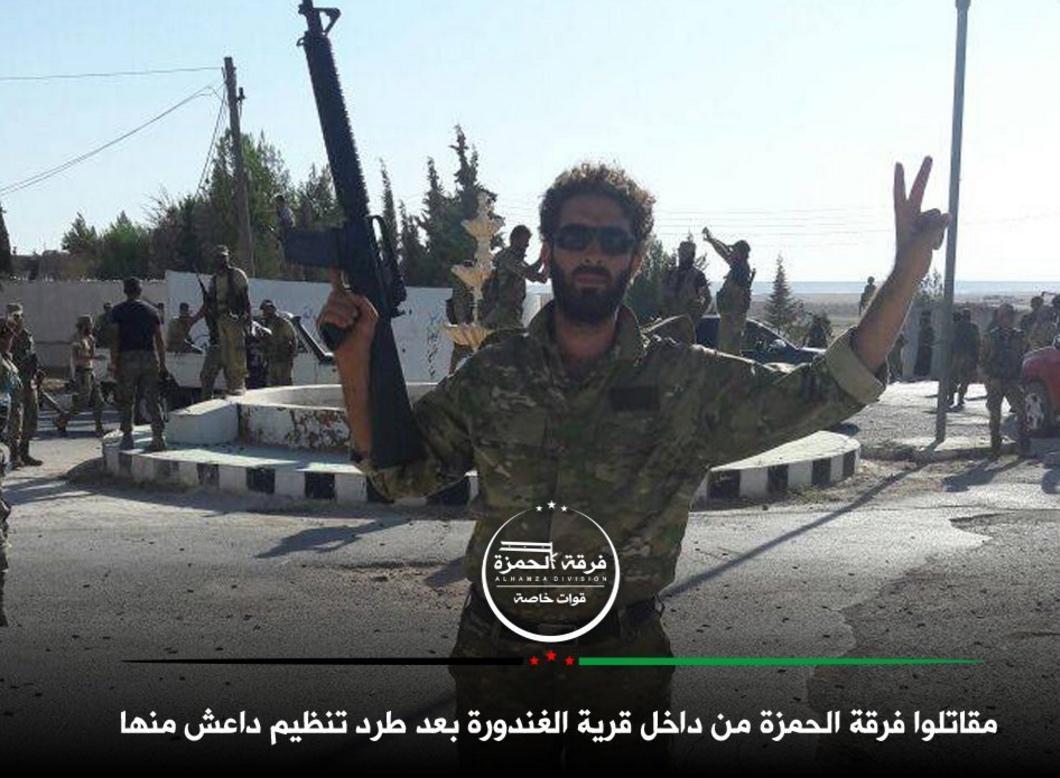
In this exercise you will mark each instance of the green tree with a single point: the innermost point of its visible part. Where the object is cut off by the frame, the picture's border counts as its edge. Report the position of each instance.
(6, 266)
(782, 311)
(929, 294)
(389, 212)
(125, 249)
(644, 293)
(81, 238)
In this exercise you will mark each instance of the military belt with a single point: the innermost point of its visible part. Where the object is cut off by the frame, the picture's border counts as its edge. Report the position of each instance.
(615, 624)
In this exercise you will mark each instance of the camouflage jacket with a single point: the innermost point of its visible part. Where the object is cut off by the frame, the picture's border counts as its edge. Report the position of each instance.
(282, 343)
(24, 354)
(505, 290)
(627, 444)
(1002, 353)
(685, 291)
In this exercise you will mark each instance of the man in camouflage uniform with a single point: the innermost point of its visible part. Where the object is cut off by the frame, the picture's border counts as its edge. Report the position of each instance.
(1002, 358)
(964, 356)
(1041, 326)
(685, 289)
(734, 297)
(229, 297)
(138, 361)
(178, 331)
(582, 408)
(820, 333)
(460, 309)
(866, 295)
(101, 325)
(281, 345)
(10, 391)
(24, 356)
(505, 290)
(86, 389)
(896, 359)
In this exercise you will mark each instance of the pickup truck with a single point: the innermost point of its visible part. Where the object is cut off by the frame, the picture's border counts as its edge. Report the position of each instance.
(1041, 388)
(313, 364)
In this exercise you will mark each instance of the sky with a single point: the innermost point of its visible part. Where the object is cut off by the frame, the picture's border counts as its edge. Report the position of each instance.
(776, 121)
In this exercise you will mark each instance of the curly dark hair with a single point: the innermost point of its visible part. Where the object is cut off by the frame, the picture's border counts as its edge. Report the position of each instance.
(595, 178)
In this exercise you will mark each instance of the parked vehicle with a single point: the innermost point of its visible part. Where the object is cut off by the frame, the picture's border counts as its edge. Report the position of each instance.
(1041, 388)
(760, 343)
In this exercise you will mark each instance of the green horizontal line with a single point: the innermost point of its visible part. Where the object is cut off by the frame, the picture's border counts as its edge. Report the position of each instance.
(765, 661)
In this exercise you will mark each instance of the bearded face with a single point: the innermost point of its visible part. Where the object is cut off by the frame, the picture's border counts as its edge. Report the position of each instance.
(591, 294)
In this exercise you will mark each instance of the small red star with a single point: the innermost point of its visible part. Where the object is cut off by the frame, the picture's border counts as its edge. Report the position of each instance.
(534, 661)
(550, 655)
(569, 660)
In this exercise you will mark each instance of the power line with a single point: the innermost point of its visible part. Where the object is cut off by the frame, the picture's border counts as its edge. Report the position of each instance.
(111, 74)
(213, 144)
(44, 175)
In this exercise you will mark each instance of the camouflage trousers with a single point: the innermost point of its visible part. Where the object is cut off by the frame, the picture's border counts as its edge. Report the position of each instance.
(22, 425)
(508, 692)
(730, 332)
(281, 372)
(5, 512)
(138, 376)
(86, 395)
(963, 371)
(998, 389)
(231, 340)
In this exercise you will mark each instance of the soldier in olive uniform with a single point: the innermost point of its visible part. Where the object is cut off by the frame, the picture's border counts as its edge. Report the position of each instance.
(281, 345)
(460, 309)
(866, 295)
(896, 359)
(583, 408)
(138, 360)
(734, 297)
(505, 289)
(10, 395)
(925, 346)
(964, 356)
(86, 389)
(101, 326)
(178, 331)
(1002, 358)
(229, 297)
(685, 289)
(820, 333)
(24, 356)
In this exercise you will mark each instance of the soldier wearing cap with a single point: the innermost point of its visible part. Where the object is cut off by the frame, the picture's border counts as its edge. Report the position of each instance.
(281, 345)
(138, 359)
(24, 356)
(734, 297)
(10, 391)
(86, 388)
(229, 296)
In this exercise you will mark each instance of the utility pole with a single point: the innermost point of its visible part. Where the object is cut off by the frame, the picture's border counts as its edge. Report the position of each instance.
(246, 243)
(951, 235)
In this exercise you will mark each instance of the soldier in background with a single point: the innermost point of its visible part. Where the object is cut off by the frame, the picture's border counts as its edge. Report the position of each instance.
(505, 290)
(925, 346)
(86, 389)
(24, 356)
(1041, 326)
(964, 356)
(10, 395)
(1002, 360)
(734, 297)
(460, 309)
(178, 331)
(1028, 320)
(685, 289)
(138, 360)
(229, 297)
(866, 295)
(281, 345)
(101, 326)
(896, 359)
(820, 333)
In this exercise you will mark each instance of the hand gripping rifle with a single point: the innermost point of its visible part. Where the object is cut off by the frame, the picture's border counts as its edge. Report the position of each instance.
(368, 261)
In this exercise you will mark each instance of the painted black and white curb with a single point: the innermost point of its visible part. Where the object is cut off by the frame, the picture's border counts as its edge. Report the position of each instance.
(817, 462)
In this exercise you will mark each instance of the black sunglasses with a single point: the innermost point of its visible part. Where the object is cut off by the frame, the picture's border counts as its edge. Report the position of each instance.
(577, 237)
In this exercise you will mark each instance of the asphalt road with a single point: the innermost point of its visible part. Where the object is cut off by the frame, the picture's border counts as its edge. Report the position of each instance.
(956, 560)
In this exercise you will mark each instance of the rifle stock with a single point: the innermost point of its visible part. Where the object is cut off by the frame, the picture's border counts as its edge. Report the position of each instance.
(367, 261)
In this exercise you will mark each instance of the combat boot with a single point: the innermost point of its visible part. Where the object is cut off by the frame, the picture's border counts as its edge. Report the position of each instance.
(61, 423)
(31, 461)
(157, 444)
(100, 432)
(127, 442)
